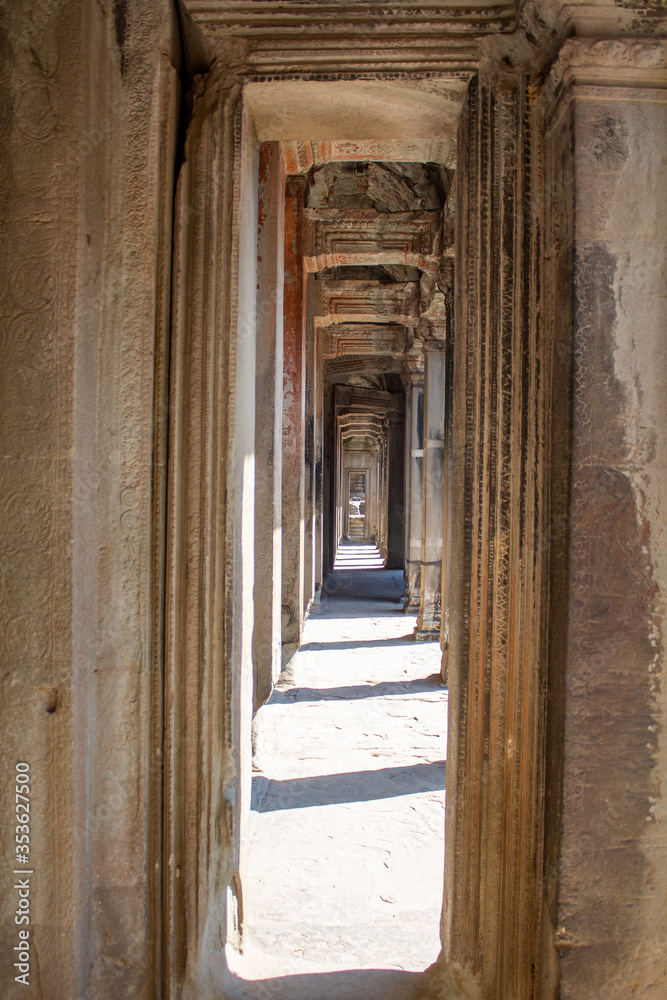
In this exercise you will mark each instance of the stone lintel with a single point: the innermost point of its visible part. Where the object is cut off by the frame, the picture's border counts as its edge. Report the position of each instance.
(369, 256)
(588, 19)
(287, 39)
(369, 318)
(379, 364)
(300, 156)
(335, 237)
(363, 338)
(369, 302)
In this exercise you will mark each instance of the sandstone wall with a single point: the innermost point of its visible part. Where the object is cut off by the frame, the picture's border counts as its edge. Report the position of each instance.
(90, 107)
(612, 918)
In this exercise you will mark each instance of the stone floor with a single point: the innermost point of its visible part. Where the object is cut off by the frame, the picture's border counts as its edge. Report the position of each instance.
(358, 555)
(346, 859)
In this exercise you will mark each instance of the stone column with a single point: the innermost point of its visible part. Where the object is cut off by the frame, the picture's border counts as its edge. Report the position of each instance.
(396, 487)
(430, 602)
(329, 461)
(504, 463)
(319, 449)
(294, 395)
(209, 601)
(607, 139)
(309, 454)
(415, 460)
(85, 254)
(380, 499)
(447, 479)
(268, 423)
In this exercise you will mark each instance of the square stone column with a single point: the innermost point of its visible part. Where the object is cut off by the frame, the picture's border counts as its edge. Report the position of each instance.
(294, 413)
(607, 135)
(268, 423)
(314, 293)
(433, 466)
(415, 460)
(395, 479)
(312, 379)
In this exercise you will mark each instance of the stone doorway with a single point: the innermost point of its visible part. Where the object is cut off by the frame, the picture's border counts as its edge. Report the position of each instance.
(329, 346)
(148, 601)
(344, 328)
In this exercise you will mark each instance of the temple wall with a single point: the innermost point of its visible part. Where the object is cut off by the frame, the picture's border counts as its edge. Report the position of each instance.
(613, 866)
(126, 600)
(91, 108)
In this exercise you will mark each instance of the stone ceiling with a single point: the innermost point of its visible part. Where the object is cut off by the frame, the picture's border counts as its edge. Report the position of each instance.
(376, 265)
(364, 97)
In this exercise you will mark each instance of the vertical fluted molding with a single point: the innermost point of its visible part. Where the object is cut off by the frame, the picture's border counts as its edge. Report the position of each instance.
(199, 704)
(497, 664)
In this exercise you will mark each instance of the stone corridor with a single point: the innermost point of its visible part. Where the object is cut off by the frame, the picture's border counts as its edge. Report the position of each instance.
(306, 306)
(348, 805)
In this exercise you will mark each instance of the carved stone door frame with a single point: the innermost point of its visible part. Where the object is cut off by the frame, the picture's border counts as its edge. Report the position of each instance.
(211, 558)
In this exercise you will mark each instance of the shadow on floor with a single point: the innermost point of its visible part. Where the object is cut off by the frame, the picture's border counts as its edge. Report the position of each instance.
(353, 692)
(353, 786)
(373, 584)
(400, 640)
(356, 984)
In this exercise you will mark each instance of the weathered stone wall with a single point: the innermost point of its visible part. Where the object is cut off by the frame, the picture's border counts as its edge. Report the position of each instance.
(89, 117)
(612, 919)
(560, 329)
(556, 779)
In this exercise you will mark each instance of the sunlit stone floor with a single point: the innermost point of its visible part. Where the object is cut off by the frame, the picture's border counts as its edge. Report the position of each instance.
(347, 833)
(358, 555)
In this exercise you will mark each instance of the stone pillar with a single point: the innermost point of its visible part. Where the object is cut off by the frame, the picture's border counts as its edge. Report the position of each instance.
(309, 446)
(396, 486)
(85, 252)
(447, 479)
(430, 601)
(209, 601)
(415, 461)
(267, 638)
(607, 137)
(318, 433)
(294, 395)
(504, 463)
(329, 464)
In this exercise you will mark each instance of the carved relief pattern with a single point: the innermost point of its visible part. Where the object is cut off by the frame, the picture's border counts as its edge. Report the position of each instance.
(301, 156)
(501, 427)
(37, 310)
(30, 306)
(612, 62)
(362, 343)
(423, 38)
(333, 239)
(130, 326)
(369, 303)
